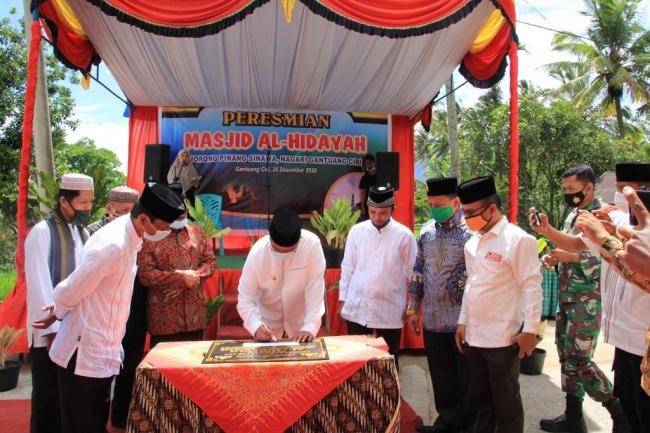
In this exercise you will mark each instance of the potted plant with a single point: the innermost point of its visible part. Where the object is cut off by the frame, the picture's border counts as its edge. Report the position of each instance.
(211, 308)
(335, 224)
(200, 216)
(9, 370)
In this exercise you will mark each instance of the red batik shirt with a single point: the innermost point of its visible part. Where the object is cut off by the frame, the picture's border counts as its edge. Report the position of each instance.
(183, 249)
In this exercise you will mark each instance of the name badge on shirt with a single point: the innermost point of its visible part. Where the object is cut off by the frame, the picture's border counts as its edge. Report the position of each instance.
(494, 257)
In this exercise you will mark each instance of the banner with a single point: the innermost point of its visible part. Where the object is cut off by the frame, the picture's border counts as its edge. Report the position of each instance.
(260, 160)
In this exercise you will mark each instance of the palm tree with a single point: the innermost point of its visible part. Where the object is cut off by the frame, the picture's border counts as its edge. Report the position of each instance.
(613, 60)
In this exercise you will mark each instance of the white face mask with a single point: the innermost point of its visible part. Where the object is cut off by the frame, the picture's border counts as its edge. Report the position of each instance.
(158, 236)
(283, 256)
(179, 224)
(621, 202)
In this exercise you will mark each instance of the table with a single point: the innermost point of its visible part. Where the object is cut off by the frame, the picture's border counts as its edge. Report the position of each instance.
(356, 390)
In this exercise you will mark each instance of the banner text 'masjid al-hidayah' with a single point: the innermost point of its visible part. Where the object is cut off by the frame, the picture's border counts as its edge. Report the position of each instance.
(270, 140)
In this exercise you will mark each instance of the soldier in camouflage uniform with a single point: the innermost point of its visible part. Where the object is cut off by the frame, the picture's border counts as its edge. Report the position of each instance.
(579, 314)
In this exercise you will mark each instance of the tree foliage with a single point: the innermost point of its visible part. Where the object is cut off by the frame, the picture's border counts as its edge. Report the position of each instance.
(554, 135)
(13, 76)
(611, 63)
(81, 157)
(100, 164)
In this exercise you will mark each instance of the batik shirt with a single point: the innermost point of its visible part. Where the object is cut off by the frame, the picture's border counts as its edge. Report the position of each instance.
(579, 281)
(187, 248)
(439, 273)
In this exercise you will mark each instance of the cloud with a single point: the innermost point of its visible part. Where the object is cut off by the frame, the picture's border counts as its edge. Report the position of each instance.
(112, 135)
(535, 44)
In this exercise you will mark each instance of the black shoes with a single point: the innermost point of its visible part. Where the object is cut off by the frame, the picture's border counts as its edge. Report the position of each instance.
(571, 421)
(564, 424)
(619, 420)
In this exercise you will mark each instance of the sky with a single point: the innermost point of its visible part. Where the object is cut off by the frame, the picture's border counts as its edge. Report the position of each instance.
(101, 114)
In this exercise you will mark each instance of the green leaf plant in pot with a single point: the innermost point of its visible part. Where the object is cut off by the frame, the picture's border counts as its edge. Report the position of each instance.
(334, 225)
(211, 309)
(200, 217)
(9, 370)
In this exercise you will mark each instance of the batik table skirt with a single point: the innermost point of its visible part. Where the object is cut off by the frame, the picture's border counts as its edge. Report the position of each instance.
(267, 397)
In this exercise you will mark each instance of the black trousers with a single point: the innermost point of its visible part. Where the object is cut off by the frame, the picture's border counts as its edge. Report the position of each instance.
(392, 337)
(85, 401)
(46, 409)
(627, 387)
(449, 379)
(133, 345)
(494, 386)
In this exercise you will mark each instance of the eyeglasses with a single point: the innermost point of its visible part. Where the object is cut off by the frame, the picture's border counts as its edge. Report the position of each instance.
(476, 212)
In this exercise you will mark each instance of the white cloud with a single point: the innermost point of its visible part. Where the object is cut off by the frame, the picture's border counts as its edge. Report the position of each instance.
(111, 134)
(535, 44)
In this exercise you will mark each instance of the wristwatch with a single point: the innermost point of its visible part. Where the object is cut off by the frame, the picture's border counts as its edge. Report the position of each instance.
(612, 245)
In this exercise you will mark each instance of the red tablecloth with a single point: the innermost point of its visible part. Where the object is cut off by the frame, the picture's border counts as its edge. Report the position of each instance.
(260, 396)
(230, 281)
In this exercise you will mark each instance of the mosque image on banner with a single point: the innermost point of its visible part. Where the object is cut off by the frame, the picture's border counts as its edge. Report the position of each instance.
(260, 160)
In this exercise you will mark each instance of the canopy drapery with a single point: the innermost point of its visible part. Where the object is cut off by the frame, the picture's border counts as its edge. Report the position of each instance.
(385, 56)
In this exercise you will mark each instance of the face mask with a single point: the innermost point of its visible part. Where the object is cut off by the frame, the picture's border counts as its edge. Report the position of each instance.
(80, 217)
(476, 223)
(158, 236)
(178, 224)
(574, 199)
(621, 202)
(441, 214)
(283, 256)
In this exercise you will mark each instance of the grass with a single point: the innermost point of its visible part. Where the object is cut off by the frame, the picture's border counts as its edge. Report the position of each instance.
(7, 280)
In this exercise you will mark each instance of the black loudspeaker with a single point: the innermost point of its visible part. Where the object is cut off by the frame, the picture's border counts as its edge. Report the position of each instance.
(156, 163)
(388, 169)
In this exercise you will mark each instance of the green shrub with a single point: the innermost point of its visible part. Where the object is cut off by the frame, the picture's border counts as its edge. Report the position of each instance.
(7, 281)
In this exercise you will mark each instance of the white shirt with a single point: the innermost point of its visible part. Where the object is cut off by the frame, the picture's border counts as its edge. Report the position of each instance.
(625, 306)
(504, 286)
(287, 296)
(93, 302)
(40, 290)
(375, 271)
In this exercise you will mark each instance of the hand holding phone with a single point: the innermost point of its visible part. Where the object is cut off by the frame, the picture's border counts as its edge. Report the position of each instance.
(645, 199)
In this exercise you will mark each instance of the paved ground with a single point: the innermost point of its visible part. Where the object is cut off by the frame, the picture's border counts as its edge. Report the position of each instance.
(542, 395)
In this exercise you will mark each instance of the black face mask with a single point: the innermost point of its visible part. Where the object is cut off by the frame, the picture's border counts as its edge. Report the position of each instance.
(574, 199)
(80, 217)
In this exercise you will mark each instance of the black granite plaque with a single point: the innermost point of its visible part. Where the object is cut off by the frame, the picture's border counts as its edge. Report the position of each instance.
(253, 351)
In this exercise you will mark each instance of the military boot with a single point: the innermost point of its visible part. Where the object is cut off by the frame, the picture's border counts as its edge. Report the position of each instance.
(571, 421)
(619, 420)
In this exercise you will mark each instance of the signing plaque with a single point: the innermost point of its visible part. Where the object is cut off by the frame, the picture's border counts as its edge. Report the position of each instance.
(223, 351)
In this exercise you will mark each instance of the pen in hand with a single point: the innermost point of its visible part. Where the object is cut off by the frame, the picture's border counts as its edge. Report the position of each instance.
(269, 331)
